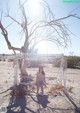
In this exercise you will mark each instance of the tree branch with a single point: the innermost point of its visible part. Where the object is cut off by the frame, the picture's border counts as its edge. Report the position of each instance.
(63, 18)
(25, 29)
(5, 34)
(14, 19)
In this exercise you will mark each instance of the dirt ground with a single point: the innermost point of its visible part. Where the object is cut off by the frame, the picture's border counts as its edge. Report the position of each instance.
(53, 89)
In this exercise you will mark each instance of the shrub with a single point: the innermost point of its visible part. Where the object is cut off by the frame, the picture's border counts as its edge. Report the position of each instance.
(11, 60)
(73, 62)
(33, 64)
(56, 64)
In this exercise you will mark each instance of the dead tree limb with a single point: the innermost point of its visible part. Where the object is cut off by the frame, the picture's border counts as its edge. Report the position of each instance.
(5, 34)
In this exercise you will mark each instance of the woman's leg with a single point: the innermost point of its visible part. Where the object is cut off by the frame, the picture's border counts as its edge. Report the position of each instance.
(42, 89)
(37, 88)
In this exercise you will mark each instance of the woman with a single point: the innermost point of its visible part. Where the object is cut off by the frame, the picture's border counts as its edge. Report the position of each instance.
(40, 80)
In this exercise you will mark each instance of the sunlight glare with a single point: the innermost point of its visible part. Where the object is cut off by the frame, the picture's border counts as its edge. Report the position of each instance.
(42, 48)
(48, 48)
(35, 7)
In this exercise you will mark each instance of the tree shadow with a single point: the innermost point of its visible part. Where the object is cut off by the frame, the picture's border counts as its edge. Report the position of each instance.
(18, 103)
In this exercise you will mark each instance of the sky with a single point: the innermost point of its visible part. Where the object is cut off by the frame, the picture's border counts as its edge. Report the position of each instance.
(60, 8)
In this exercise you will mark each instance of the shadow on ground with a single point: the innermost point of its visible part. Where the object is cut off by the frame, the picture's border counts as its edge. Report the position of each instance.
(18, 104)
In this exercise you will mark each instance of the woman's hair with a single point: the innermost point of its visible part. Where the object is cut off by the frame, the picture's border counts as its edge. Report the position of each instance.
(42, 70)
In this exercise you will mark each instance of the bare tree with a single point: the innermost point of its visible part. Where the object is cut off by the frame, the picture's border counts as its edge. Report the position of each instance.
(49, 28)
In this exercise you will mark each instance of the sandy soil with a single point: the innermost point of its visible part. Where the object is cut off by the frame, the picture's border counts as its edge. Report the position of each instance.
(56, 97)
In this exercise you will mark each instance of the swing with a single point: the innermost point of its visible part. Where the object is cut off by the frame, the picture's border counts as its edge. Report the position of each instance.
(25, 80)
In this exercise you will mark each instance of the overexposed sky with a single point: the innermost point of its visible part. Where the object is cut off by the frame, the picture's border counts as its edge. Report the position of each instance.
(34, 12)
